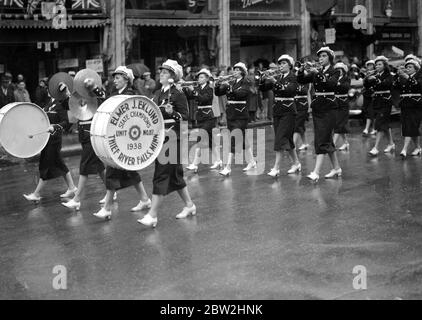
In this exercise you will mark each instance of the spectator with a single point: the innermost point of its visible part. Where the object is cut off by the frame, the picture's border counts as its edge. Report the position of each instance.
(6, 93)
(149, 84)
(21, 94)
(41, 94)
(253, 97)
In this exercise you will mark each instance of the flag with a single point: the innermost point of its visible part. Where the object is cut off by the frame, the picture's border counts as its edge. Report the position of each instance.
(86, 4)
(11, 3)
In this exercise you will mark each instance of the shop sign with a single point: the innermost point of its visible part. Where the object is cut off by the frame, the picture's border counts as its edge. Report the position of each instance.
(68, 63)
(95, 64)
(260, 5)
(396, 35)
(330, 36)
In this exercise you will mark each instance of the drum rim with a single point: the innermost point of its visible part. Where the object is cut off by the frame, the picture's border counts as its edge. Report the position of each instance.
(101, 110)
(8, 108)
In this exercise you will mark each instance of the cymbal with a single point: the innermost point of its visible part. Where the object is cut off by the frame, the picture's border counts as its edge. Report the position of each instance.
(81, 108)
(56, 81)
(81, 87)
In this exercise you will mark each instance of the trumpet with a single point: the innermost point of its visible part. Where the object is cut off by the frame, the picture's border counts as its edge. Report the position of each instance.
(308, 64)
(185, 84)
(225, 78)
(269, 73)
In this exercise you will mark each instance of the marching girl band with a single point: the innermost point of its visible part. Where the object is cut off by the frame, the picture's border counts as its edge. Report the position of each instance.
(292, 90)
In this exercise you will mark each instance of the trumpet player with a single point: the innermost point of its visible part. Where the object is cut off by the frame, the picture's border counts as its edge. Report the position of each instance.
(323, 106)
(168, 177)
(204, 95)
(284, 86)
(381, 83)
(410, 88)
(342, 111)
(302, 106)
(368, 110)
(237, 92)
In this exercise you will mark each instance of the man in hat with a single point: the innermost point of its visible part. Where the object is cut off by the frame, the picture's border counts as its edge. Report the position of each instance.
(6, 93)
(149, 85)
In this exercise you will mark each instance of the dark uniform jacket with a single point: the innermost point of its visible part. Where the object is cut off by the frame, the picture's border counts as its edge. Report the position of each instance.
(236, 91)
(413, 85)
(342, 90)
(382, 82)
(57, 114)
(284, 88)
(7, 98)
(204, 98)
(324, 82)
(302, 96)
(180, 107)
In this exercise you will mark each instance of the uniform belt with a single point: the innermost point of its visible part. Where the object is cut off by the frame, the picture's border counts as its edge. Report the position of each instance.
(410, 95)
(301, 97)
(204, 107)
(82, 123)
(284, 99)
(169, 121)
(323, 94)
(236, 102)
(382, 92)
(342, 95)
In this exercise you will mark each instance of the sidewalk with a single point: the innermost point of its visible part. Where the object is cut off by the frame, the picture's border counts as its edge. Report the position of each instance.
(72, 147)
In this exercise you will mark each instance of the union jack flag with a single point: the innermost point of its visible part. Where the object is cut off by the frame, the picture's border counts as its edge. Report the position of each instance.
(85, 4)
(12, 3)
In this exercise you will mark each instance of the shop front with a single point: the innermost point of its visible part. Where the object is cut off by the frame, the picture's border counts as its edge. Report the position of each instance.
(160, 30)
(33, 46)
(264, 30)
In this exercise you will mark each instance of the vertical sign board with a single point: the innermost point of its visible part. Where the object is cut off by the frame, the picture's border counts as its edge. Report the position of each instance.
(95, 64)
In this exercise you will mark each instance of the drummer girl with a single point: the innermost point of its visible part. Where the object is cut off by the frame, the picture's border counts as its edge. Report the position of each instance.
(89, 164)
(51, 164)
(168, 177)
(116, 179)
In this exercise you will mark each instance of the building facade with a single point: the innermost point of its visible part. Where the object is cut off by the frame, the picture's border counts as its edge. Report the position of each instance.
(40, 38)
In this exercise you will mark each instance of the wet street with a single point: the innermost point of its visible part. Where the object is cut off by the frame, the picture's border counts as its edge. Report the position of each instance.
(254, 237)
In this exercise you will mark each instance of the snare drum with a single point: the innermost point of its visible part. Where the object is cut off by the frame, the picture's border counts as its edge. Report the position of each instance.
(127, 132)
(19, 121)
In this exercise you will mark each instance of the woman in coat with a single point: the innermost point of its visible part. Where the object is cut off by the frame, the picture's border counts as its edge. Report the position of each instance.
(324, 80)
(381, 83)
(284, 113)
(410, 87)
(168, 173)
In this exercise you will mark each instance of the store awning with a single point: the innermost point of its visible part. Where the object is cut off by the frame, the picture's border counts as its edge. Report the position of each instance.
(33, 24)
(172, 22)
(265, 23)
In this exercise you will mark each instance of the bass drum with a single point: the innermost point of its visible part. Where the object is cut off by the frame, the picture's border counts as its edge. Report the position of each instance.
(18, 122)
(127, 132)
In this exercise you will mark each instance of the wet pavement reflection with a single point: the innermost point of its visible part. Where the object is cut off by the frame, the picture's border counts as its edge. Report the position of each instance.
(255, 237)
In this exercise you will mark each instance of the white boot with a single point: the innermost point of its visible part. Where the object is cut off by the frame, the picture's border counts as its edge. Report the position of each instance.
(187, 212)
(103, 214)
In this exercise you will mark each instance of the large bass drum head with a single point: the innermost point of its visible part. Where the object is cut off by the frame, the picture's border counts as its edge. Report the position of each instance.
(17, 122)
(134, 131)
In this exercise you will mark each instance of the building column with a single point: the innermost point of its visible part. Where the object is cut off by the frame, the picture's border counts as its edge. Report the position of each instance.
(419, 13)
(117, 33)
(224, 33)
(370, 25)
(305, 30)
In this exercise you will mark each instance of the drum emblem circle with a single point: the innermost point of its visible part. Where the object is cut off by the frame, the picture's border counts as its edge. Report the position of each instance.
(135, 133)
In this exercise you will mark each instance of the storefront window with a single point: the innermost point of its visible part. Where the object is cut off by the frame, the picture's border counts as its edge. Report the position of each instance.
(273, 6)
(157, 4)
